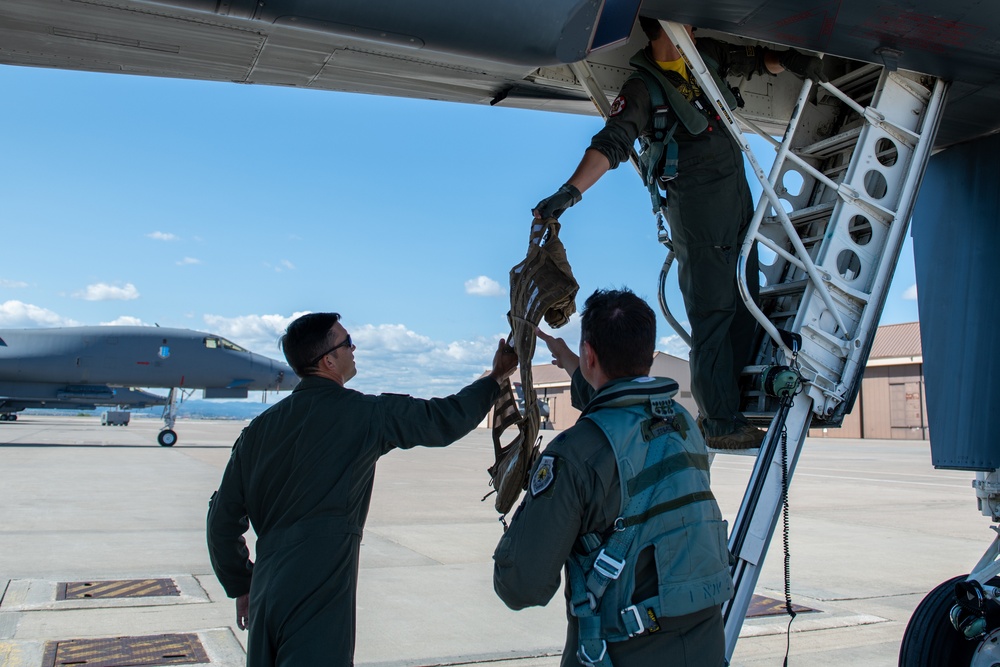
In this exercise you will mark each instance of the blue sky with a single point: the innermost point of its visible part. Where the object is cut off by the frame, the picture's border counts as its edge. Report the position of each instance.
(231, 208)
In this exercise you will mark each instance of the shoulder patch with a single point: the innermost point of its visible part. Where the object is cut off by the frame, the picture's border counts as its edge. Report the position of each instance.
(617, 106)
(545, 475)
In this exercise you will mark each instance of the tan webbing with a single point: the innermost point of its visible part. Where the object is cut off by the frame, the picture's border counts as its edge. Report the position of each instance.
(540, 286)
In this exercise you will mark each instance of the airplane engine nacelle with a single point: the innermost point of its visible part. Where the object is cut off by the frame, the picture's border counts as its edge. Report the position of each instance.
(519, 32)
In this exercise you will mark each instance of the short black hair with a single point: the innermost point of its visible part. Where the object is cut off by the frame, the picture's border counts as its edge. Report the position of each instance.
(650, 26)
(621, 329)
(306, 338)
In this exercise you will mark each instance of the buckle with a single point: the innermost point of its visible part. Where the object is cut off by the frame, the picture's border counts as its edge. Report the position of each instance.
(636, 616)
(608, 566)
(585, 658)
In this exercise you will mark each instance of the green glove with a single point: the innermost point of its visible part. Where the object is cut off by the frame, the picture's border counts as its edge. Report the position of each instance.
(554, 205)
(803, 65)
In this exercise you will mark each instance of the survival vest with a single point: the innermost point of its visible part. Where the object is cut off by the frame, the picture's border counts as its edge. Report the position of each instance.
(659, 155)
(666, 505)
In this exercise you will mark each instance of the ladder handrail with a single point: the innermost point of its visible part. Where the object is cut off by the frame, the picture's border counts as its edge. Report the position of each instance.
(686, 47)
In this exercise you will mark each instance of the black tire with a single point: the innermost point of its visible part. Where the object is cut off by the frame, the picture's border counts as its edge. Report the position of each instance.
(930, 639)
(166, 438)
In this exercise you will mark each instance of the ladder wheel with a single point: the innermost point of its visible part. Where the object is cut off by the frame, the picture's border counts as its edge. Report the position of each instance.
(930, 639)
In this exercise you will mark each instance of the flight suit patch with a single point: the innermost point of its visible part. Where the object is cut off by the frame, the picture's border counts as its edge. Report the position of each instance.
(617, 106)
(545, 475)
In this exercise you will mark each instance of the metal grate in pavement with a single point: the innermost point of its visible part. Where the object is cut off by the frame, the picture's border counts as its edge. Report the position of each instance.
(178, 649)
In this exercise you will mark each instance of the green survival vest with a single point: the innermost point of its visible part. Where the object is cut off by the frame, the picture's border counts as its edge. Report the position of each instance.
(659, 156)
(666, 505)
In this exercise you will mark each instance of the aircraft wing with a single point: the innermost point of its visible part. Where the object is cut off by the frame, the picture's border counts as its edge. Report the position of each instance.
(513, 53)
(19, 396)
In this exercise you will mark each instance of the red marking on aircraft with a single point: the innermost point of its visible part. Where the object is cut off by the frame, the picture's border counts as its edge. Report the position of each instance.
(142, 363)
(919, 31)
(828, 11)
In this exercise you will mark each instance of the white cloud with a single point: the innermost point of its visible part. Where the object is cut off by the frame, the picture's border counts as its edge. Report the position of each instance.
(673, 345)
(258, 333)
(911, 293)
(283, 265)
(13, 284)
(106, 292)
(392, 358)
(483, 286)
(187, 261)
(124, 321)
(17, 314)
(162, 236)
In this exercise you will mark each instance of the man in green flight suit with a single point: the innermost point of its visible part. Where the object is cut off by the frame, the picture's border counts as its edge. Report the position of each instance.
(709, 208)
(674, 577)
(301, 474)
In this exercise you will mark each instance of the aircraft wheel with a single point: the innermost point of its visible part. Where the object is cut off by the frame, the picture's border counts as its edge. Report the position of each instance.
(166, 438)
(931, 640)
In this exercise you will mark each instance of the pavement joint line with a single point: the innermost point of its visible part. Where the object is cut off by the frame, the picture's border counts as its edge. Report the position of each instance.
(459, 661)
(779, 624)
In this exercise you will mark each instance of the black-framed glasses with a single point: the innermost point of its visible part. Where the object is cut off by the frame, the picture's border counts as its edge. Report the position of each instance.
(344, 343)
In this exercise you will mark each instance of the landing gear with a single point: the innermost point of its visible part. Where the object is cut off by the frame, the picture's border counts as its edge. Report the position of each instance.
(931, 639)
(8, 417)
(166, 438)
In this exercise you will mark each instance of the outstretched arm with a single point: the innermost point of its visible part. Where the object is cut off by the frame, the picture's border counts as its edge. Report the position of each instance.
(562, 356)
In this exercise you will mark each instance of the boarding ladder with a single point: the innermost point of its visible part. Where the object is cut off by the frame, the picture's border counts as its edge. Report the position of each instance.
(830, 227)
(828, 250)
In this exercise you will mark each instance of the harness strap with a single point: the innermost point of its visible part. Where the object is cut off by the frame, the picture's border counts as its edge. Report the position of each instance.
(587, 589)
(696, 497)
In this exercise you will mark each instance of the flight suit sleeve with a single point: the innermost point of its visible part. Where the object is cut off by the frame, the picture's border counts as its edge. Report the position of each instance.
(410, 422)
(630, 114)
(227, 522)
(580, 391)
(531, 554)
(744, 60)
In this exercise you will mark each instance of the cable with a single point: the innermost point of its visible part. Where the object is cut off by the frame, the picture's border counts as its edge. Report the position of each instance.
(785, 531)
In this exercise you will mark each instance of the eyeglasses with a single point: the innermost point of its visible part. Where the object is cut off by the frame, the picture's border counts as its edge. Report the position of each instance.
(345, 343)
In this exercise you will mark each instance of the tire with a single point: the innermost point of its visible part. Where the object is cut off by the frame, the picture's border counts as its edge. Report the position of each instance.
(930, 639)
(166, 438)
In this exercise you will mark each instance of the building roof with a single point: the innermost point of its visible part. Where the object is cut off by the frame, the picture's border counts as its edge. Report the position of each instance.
(897, 340)
(549, 374)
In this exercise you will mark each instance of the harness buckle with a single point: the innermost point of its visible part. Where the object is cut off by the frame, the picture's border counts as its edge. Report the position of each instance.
(608, 566)
(635, 616)
(585, 658)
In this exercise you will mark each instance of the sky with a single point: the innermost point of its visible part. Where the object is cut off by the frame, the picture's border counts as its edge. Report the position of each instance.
(232, 209)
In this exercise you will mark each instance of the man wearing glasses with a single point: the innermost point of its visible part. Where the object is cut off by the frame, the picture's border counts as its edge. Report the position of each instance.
(301, 473)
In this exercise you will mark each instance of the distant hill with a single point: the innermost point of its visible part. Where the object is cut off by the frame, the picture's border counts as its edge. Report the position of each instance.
(191, 409)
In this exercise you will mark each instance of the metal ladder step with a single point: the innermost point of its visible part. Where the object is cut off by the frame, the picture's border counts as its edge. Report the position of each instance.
(784, 289)
(826, 148)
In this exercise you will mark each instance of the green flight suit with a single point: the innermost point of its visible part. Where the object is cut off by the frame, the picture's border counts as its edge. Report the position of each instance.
(582, 497)
(709, 208)
(301, 473)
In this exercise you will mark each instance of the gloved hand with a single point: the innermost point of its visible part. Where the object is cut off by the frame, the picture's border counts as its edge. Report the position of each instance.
(554, 205)
(803, 65)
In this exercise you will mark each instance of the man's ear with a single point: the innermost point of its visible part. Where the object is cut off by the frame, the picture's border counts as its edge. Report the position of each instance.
(587, 356)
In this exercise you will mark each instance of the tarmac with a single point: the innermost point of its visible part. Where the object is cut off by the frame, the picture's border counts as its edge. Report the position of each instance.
(873, 527)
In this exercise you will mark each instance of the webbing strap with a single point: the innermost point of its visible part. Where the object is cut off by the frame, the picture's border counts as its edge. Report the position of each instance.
(690, 498)
(587, 590)
(668, 466)
(541, 286)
